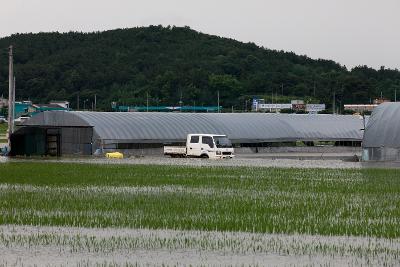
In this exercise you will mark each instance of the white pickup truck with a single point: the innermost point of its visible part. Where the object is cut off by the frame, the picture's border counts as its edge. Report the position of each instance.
(211, 146)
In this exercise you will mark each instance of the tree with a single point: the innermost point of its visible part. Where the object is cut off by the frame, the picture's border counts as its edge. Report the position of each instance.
(166, 62)
(227, 86)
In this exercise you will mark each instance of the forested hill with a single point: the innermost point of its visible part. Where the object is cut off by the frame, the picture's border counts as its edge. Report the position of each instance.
(173, 63)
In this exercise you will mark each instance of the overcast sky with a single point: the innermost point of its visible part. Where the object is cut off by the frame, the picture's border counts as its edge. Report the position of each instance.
(352, 32)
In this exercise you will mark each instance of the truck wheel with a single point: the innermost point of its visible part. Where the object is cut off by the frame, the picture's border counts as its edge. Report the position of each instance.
(204, 156)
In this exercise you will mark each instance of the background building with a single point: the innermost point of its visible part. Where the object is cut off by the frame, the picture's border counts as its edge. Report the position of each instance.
(259, 105)
(365, 108)
(360, 108)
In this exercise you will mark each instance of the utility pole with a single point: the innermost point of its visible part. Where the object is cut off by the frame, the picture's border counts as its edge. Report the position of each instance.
(95, 102)
(395, 95)
(314, 89)
(13, 99)
(77, 102)
(218, 101)
(11, 94)
(334, 103)
(282, 88)
(147, 101)
(272, 100)
(272, 96)
(180, 103)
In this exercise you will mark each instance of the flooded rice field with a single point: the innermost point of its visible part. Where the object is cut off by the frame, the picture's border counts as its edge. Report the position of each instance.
(240, 161)
(186, 212)
(70, 246)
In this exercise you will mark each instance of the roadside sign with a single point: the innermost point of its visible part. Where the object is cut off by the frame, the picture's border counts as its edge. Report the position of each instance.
(315, 107)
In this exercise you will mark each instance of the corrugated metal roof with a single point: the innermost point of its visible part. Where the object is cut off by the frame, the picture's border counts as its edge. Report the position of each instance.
(240, 127)
(383, 128)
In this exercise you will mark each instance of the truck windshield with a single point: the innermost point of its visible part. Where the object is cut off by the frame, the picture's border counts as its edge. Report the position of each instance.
(222, 141)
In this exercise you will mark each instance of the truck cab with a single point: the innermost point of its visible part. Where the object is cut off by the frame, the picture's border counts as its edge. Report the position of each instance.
(212, 146)
(209, 146)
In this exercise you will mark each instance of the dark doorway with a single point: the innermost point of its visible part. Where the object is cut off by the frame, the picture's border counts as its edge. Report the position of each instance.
(28, 141)
(53, 142)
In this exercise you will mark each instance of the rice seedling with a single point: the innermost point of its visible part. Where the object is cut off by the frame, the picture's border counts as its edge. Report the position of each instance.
(133, 215)
(362, 202)
(143, 246)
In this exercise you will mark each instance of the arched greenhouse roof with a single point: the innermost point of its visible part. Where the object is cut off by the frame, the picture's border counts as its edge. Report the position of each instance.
(383, 128)
(155, 127)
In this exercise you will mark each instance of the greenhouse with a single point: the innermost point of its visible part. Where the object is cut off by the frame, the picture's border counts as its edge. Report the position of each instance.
(382, 135)
(67, 132)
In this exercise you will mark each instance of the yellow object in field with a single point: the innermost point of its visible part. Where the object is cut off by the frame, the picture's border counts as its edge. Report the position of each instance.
(115, 155)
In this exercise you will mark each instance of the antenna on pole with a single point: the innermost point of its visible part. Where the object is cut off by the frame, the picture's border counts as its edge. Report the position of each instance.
(11, 94)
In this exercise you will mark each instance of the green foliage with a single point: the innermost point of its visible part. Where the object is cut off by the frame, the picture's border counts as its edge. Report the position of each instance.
(326, 111)
(287, 110)
(4, 111)
(3, 132)
(227, 86)
(3, 127)
(272, 200)
(348, 112)
(126, 65)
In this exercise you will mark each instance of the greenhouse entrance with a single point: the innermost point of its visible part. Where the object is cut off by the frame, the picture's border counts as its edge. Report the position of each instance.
(29, 141)
(53, 142)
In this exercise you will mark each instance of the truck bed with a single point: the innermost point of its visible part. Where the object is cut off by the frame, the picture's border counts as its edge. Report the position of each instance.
(174, 150)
